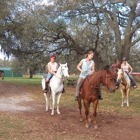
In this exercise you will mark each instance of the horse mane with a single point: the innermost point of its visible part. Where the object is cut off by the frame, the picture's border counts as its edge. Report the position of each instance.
(126, 76)
(59, 69)
(96, 76)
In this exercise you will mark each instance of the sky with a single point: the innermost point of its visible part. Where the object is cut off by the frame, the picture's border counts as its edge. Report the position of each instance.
(2, 56)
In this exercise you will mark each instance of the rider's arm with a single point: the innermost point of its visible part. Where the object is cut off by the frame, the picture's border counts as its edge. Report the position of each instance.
(93, 68)
(131, 69)
(79, 66)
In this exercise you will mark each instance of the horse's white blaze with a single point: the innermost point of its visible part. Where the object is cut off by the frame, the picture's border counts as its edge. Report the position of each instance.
(56, 85)
(125, 85)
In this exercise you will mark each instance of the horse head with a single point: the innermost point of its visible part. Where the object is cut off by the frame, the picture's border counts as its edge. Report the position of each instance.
(109, 81)
(64, 70)
(2, 74)
(120, 75)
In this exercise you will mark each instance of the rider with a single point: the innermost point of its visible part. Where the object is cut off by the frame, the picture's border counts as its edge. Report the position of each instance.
(126, 66)
(52, 68)
(86, 67)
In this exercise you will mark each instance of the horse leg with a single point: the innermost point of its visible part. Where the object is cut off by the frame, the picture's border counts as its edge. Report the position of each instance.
(53, 102)
(46, 101)
(58, 100)
(95, 114)
(80, 109)
(127, 97)
(86, 105)
(122, 97)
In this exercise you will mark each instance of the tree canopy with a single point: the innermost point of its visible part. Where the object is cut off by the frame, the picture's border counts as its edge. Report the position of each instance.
(33, 30)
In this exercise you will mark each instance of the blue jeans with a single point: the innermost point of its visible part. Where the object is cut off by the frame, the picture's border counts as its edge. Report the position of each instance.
(49, 76)
(131, 79)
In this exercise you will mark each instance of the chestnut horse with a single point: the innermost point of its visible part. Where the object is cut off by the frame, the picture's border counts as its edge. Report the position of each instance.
(89, 92)
(2, 74)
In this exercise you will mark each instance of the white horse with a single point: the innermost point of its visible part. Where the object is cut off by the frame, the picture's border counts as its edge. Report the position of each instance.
(125, 85)
(56, 87)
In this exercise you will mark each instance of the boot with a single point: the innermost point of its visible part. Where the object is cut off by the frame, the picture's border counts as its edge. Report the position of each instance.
(100, 97)
(99, 94)
(63, 91)
(76, 98)
(46, 88)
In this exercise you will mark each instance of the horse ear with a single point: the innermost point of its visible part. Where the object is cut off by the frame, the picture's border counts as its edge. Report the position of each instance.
(107, 67)
(59, 64)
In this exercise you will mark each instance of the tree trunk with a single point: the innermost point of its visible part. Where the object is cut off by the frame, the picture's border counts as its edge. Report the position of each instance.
(31, 74)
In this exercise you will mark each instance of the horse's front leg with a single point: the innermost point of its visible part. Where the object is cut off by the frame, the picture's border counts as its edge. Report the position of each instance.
(46, 101)
(95, 103)
(80, 109)
(58, 101)
(127, 97)
(53, 102)
(86, 105)
(122, 92)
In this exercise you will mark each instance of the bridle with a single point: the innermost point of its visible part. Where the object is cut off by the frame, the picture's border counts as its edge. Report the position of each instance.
(62, 73)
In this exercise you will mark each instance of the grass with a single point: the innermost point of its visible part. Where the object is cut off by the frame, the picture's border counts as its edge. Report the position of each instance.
(25, 80)
(111, 103)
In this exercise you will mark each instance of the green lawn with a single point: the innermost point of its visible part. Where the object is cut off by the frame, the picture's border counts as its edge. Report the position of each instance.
(36, 80)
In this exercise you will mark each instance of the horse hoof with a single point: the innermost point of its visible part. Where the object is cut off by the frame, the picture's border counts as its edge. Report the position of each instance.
(52, 113)
(58, 112)
(96, 126)
(87, 126)
(80, 119)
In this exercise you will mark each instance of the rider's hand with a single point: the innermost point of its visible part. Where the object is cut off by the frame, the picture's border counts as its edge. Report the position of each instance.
(82, 71)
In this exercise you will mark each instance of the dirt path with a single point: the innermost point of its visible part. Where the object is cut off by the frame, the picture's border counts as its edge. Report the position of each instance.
(23, 117)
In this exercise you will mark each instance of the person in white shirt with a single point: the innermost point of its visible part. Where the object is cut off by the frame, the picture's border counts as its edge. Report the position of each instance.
(126, 67)
(52, 68)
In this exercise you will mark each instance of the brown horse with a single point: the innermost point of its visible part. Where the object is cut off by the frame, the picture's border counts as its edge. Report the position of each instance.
(89, 92)
(2, 74)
